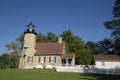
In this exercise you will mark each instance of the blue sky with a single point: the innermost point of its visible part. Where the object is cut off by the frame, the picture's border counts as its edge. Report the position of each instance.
(84, 17)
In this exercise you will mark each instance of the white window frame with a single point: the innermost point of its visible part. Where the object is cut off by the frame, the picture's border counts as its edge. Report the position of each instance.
(52, 59)
(30, 59)
(42, 59)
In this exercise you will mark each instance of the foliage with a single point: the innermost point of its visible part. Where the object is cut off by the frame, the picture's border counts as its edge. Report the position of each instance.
(41, 38)
(104, 46)
(83, 56)
(9, 60)
(19, 41)
(116, 9)
(114, 26)
(75, 45)
(92, 47)
(11, 46)
(4, 60)
(68, 39)
(117, 46)
(14, 58)
(13, 54)
(51, 37)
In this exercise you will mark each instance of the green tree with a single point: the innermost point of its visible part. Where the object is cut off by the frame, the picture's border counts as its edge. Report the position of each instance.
(114, 26)
(5, 60)
(13, 54)
(92, 47)
(14, 59)
(11, 46)
(19, 41)
(74, 44)
(41, 38)
(117, 47)
(51, 37)
(83, 56)
(104, 46)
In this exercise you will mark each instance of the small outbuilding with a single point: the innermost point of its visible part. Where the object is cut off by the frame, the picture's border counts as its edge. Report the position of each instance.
(107, 61)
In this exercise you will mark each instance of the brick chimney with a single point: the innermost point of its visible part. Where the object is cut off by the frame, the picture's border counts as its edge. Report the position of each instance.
(59, 39)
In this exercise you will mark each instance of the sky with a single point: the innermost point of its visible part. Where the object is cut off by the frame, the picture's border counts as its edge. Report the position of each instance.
(85, 18)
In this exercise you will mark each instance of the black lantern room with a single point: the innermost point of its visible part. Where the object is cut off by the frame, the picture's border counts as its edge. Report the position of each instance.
(30, 29)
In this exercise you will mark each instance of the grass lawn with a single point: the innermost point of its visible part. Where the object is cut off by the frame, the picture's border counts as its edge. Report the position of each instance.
(38, 74)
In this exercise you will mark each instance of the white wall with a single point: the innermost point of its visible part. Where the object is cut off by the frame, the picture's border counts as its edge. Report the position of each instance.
(107, 64)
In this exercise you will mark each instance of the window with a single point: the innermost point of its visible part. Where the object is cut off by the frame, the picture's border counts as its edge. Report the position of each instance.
(63, 61)
(52, 59)
(69, 61)
(66, 61)
(30, 59)
(42, 59)
(26, 46)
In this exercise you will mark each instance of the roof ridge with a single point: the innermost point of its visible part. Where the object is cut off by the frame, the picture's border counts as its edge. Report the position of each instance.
(49, 43)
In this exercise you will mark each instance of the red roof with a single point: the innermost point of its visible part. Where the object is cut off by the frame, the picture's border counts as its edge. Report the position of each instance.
(49, 48)
(106, 57)
(68, 55)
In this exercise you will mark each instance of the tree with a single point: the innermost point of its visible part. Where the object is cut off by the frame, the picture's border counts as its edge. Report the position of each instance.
(41, 38)
(104, 46)
(13, 54)
(114, 26)
(51, 37)
(83, 56)
(19, 41)
(14, 60)
(75, 45)
(12, 46)
(68, 39)
(4, 60)
(92, 47)
(117, 46)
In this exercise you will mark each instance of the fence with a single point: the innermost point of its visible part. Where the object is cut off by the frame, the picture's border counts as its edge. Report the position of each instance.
(88, 69)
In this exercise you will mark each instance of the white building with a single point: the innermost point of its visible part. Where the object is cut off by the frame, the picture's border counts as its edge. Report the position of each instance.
(107, 61)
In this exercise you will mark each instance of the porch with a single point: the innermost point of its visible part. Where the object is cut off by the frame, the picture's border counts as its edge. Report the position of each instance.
(67, 59)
